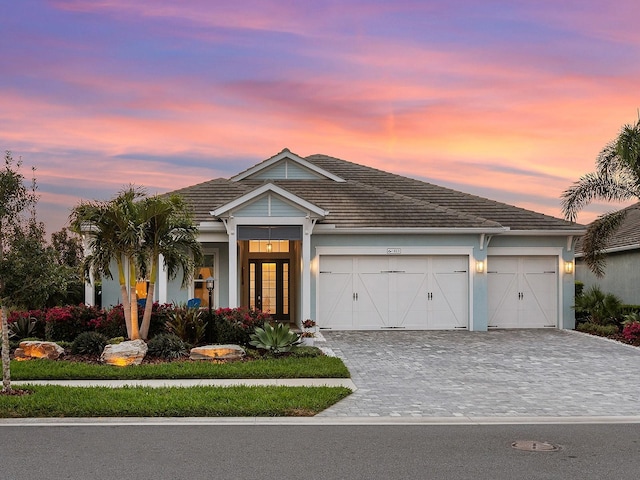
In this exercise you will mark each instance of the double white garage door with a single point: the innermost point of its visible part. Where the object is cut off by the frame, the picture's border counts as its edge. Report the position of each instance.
(432, 292)
(412, 292)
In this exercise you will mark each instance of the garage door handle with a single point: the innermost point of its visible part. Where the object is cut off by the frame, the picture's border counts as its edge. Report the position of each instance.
(355, 296)
(430, 296)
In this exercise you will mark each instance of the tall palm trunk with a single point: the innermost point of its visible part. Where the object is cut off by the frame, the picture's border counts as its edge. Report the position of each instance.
(148, 308)
(6, 362)
(124, 294)
(133, 302)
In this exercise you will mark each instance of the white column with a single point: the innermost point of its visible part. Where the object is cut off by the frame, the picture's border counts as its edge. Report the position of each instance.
(89, 287)
(306, 270)
(233, 263)
(163, 281)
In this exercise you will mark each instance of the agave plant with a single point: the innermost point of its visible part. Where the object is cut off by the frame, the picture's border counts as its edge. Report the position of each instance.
(276, 340)
(23, 327)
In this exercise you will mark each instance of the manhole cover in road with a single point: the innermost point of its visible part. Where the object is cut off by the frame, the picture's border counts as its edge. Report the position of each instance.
(533, 446)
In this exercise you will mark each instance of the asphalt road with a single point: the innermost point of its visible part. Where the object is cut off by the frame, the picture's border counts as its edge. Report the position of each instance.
(318, 452)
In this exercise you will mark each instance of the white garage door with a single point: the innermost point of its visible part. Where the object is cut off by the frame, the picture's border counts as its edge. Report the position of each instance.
(412, 292)
(523, 291)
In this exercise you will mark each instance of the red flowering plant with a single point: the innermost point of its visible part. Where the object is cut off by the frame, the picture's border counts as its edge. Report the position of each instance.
(61, 324)
(236, 325)
(309, 328)
(631, 332)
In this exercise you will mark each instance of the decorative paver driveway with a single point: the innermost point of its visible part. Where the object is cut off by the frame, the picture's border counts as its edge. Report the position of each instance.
(503, 373)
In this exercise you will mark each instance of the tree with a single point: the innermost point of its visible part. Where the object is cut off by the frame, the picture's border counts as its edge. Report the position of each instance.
(115, 235)
(15, 198)
(168, 231)
(617, 178)
(134, 230)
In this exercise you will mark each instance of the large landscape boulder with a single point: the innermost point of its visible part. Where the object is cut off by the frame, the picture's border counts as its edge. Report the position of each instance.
(38, 349)
(125, 353)
(217, 352)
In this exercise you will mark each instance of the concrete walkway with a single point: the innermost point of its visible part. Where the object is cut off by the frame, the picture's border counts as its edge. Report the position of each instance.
(280, 382)
(504, 373)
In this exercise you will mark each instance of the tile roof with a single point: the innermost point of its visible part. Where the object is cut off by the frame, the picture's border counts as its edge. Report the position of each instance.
(372, 198)
(628, 235)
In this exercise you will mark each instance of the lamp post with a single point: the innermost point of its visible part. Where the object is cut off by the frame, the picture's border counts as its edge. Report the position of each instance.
(209, 283)
(210, 326)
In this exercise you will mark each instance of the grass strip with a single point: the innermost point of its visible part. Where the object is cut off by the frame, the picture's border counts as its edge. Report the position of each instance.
(288, 367)
(241, 401)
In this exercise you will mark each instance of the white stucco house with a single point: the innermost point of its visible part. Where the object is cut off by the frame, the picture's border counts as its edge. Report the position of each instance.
(356, 248)
(622, 271)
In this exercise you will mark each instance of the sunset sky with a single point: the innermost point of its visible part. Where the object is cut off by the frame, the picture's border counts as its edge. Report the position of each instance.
(511, 100)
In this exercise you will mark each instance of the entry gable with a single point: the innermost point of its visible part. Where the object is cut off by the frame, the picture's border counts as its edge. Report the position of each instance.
(286, 165)
(269, 200)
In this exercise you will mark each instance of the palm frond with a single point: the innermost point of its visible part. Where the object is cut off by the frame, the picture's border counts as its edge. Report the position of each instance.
(597, 237)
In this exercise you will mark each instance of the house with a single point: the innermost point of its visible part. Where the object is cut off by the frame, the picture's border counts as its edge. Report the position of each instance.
(357, 248)
(622, 271)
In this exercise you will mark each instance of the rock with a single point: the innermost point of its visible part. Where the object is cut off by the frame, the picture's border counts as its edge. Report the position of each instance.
(125, 353)
(217, 352)
(37, 349)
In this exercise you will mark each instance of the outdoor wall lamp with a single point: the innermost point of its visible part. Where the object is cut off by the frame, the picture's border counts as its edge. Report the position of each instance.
(479, 266)
(568, 267)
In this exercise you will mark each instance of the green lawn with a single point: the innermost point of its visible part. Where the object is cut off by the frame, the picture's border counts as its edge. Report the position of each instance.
(56, 401)
(288, 367)
(236, 401)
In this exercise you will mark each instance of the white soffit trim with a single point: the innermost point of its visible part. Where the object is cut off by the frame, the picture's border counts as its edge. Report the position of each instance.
(286, 153)
(270, 187)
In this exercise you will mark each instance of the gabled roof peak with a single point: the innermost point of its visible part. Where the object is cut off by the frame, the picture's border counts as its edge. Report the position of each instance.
(286, 155)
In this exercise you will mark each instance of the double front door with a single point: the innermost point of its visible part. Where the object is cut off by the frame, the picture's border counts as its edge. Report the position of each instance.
(269, 283)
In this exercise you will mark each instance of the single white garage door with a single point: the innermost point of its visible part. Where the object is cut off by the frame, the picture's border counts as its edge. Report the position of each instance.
(411, 292)
(523, 291)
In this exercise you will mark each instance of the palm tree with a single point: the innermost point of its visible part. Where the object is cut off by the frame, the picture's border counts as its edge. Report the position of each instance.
(115, 235)
(617, 178)
(168, 231)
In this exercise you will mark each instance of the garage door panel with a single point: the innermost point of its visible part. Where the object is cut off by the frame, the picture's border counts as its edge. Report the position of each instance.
(523, 291)
(449, 300)
(410, 306)
(336, 303)
(373, 300)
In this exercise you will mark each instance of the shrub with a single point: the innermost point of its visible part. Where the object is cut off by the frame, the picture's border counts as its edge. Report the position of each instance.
(236, 325)
(167, 345)
(631, 332)
(188, 324)
(89, 343)
(110, 323)
(600, 308)
(62, 325)
(276, 340)
(598, 329)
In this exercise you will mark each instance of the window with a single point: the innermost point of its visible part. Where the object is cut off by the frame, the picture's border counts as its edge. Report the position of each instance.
(204, 271)
(268, 246)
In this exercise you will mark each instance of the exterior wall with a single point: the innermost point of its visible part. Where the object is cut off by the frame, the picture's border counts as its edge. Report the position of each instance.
(622, 276)
(434, 244)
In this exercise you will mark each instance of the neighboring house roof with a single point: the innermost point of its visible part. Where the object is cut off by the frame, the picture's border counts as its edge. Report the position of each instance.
(357, 196)
(627, 237)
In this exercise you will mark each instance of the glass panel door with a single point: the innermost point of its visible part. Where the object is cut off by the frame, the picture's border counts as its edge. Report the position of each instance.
(269, 287)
